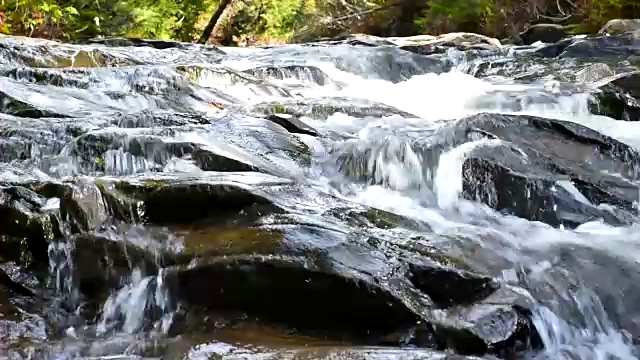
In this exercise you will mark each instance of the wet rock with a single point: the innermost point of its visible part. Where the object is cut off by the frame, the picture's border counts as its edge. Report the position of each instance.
(292, 124)
(486, 328)
(318, 109)
(546, 33)
(23, 139)
(153, 43)
(225, 351)
(81, 205)
(618, 97)
(553, 50)
(619, 46)
(29, 217)
(619, 26)
(447, 287)
(21, 328)
(103, 264)
(311, 74)
(246, 144)
(552, 171)
(460, 41)
(594, 72)
(155, 198)
(288, 288)
(208, 77)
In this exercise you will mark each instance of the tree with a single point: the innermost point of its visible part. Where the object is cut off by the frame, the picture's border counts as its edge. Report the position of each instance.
(206, 33)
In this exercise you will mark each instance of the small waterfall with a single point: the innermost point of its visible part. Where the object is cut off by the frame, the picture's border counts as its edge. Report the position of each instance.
(139, 302)
(61, 271)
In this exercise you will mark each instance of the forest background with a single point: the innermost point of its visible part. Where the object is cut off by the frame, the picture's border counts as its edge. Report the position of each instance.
(242, 22)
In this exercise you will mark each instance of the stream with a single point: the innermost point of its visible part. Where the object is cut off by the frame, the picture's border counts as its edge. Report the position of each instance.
(345, 199)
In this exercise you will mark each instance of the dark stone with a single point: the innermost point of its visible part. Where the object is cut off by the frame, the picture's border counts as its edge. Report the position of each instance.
(102, 265)
(546, 33)
(24, 217)
(619, 46)
(557, 154)
(291, 290)
(292, 124)
(447, 287)
(553, 49)
(487, 328)
(154, 43)
(619, 97)
(155, 199)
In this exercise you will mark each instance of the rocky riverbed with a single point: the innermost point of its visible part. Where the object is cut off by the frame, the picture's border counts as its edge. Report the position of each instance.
(360, 198)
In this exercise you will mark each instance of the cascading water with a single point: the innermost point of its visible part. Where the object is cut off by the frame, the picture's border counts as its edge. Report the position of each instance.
(409, 161)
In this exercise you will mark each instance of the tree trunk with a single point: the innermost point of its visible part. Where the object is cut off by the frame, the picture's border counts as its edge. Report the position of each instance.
(206, 34)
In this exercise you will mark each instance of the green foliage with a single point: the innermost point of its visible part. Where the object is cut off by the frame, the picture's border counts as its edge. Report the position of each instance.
(599, 12)
(281, 19)
(71, 19)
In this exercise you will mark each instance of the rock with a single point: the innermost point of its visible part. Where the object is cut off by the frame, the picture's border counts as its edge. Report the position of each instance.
(618, 97)
(553, 50)
(307, 265)
(82, 208)
(560, 178)
(292, 124)
(288, 288)
(446, 287)
(619, 46)
(154, 198)
(101, 265)
(304, 73)
(546, 33)
(29, 217)
(225, 351)
(21, 328)
(560, 173)
(322, 108)
(460, 41)
(249, 144)
(594, 72)
(153, 43)
(486, 328)
(619, 26)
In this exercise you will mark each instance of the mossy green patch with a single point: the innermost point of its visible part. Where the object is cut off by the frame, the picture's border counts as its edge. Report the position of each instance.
(229, 239)
(383, 219)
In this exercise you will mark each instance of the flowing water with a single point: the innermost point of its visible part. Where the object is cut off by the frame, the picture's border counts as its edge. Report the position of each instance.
(380, 102)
